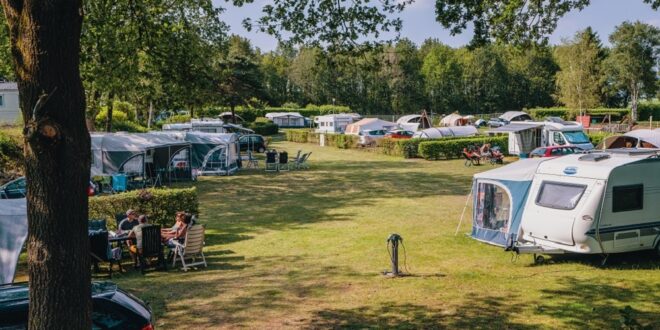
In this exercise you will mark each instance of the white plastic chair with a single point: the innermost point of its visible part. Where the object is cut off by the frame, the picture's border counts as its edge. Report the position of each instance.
(191, 248)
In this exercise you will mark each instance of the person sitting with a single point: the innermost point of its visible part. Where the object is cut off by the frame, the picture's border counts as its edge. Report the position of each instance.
(136, 233)
(166, 233)
(485, 150)
(180, 233)
(128, 223)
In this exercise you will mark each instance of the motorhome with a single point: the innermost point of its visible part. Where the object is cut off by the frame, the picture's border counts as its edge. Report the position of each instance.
(335, 123)
(527, 136)
(595, 203)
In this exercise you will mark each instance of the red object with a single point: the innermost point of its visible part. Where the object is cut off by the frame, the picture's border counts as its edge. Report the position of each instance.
(584, 120)
(399, 134)
(553, 151)
(148, 327)
(90, 190)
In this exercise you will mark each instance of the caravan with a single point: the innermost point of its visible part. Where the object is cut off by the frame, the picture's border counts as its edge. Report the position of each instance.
(596, 203)
(527, 136)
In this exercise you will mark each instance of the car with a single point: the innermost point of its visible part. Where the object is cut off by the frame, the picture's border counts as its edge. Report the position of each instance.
(399, 134)
(113, 308)
(369, 137)
(554, 151)
(497, 122)
(18, 188)
(252, 142)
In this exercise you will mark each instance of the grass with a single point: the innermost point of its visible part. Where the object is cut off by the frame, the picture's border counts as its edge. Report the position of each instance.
(306, 249)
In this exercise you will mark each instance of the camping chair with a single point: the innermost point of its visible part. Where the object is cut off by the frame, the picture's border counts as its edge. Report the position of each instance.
(470, 158)
(105, 184)
(303, 161)
(151, 248)
(251, 161)
(297, 158)
(191, 248)
(271, 161)
(99, 251)
(283, 161)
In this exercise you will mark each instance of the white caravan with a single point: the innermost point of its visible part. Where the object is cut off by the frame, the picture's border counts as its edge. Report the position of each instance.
(526, 136)
(597, 203)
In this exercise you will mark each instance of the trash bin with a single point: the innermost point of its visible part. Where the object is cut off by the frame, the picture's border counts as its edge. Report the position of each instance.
(119, 182)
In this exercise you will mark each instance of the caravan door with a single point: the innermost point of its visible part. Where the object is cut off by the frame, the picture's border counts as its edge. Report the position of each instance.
(554, 205)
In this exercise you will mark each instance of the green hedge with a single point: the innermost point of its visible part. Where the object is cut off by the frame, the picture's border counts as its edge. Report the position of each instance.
(597, 137)
(264, 128)
(160, 205)
(647, 109)
(568, 114)
(11, 153)
(451, 148)
(341, 141)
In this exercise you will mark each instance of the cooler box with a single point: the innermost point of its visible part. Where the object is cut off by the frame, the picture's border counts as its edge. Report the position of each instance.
(119, 182)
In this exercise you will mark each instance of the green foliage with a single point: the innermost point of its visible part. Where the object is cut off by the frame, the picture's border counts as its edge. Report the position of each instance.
(178, 119)
(452, 148)
(568, 114)
(406, 148)
(297, 135)
(291, 105)
(160, 205)
(11, 153)
(341, 141)
(120, 120)
(648, 109)
(264, 128)
(597, 137)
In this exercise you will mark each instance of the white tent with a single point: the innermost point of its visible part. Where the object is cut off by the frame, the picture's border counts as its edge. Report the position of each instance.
(440, 132)
(287, 119)
(515, 116)
(13, 232)
(452, 120)
(369, 124)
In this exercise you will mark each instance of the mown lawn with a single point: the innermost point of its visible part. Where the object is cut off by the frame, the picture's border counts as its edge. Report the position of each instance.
(306, 249)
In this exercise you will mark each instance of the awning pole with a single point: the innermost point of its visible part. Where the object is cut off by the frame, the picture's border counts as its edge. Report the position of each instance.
(467, 200)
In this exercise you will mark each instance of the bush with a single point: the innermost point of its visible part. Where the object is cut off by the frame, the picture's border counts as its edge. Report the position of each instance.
(264, 128)
(291, 105)
(568, 114)
(597, 137)
(178, 119)
(11, 153)
(297, 135)
(647, 109)
(451, 148)
(121, 121)
(160, 205)
(341, 141)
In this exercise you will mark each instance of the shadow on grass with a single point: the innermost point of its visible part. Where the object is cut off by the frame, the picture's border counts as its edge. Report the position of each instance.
(595, 304)
(647, 259)
(277, 201)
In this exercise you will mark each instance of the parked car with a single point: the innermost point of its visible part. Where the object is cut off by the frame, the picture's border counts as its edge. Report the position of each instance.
(399, 134)
(18, 188)
(370, 137)
(113, 308)
(497, 122)
(553, 151)
(252, 142)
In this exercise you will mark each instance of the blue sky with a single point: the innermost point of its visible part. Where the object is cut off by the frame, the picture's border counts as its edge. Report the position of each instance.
(419, 21)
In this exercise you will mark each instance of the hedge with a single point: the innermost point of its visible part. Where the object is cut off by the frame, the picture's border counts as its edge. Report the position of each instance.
(264, 128)
(11, 153)
(160, 205)
(568, 114)
(406, 148)
(647, 109)
(451, 148)
(597, 137)
(341, 141)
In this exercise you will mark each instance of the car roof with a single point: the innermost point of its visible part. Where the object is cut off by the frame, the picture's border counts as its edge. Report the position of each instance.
(17, 292)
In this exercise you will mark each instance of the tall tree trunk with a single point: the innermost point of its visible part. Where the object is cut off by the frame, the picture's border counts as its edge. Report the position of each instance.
(45, 43)
(108, 121)
(634, 97)
(233, 113)
(192, 112)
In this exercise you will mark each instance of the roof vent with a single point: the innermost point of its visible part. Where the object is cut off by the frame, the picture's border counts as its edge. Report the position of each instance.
(596, 157)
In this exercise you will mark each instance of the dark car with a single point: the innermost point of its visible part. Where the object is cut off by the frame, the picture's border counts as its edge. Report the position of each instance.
(553, 151)
(252, 142)
(18, 188)
(113, 308)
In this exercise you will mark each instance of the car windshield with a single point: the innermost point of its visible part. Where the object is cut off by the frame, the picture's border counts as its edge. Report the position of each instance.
(576, 137)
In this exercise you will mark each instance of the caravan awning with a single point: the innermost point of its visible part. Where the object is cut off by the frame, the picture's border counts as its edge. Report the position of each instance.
(514, 128)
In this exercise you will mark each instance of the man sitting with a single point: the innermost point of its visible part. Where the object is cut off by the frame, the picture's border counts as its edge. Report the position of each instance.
(136, 233)
(128, 223)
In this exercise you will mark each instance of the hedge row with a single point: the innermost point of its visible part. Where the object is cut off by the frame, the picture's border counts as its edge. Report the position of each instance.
(160, 205)
(645, 111)
(341, 141)
(264, 128)
(452, 148)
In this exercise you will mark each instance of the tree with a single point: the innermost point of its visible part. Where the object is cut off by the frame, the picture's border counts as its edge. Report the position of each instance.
(634, 59)
(402, 71)
(45, 43)
(239, 75)
(518, 22)
(578, 80)
(6, 70)
(442, 72)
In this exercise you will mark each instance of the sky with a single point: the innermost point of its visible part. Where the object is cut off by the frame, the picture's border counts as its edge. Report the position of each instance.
(419, 21)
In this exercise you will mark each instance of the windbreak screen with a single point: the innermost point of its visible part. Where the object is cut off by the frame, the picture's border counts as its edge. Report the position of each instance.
(493, 207)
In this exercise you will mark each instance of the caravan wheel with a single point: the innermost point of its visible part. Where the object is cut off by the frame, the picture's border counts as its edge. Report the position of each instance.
(539, 259)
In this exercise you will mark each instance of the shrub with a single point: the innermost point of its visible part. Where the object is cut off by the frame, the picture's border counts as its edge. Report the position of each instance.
(291, 105)
(264, 128)
(342, 141)
(11, 153)
(178, 119)
(597, 137)
(451, 148)
(297, 135)
(160, 205)
(647, 109)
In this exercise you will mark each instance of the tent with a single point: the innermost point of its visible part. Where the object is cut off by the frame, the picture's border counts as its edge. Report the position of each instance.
(515, 116)
(148, 155)
(13, 232)
(287, 119)
(650, 136)
(453, 120)
(441, 132)
(211, 153)
(369, 124)
(499, 196)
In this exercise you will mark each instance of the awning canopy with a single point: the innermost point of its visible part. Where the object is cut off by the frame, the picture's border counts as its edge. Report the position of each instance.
(515, 116)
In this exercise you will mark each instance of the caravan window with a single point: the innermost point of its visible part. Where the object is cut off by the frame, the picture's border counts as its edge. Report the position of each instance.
(493, 207)
(628, 198)
(558, 195)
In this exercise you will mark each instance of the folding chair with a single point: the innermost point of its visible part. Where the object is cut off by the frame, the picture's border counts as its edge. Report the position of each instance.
(151, 248)
(100, 251)
(303, 161)
(283, 164)
(191, 248)
(271, 161)
(251, 161)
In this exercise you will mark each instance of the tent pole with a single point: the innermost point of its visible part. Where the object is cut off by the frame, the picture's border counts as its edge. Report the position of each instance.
(467, 200)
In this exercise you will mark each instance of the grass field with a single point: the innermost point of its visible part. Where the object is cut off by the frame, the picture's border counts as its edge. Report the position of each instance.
(306, 249)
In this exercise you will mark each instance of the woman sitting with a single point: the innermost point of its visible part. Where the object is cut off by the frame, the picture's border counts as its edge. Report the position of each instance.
(178, 231)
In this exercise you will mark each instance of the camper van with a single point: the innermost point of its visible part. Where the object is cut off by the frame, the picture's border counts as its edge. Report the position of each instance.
(596, 203)
(527, 136)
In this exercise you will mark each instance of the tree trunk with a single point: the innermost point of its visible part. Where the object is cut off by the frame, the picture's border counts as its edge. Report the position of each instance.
(233, 114)
(45, 44)
(634, 97)
(192, 112)
(108, 121)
